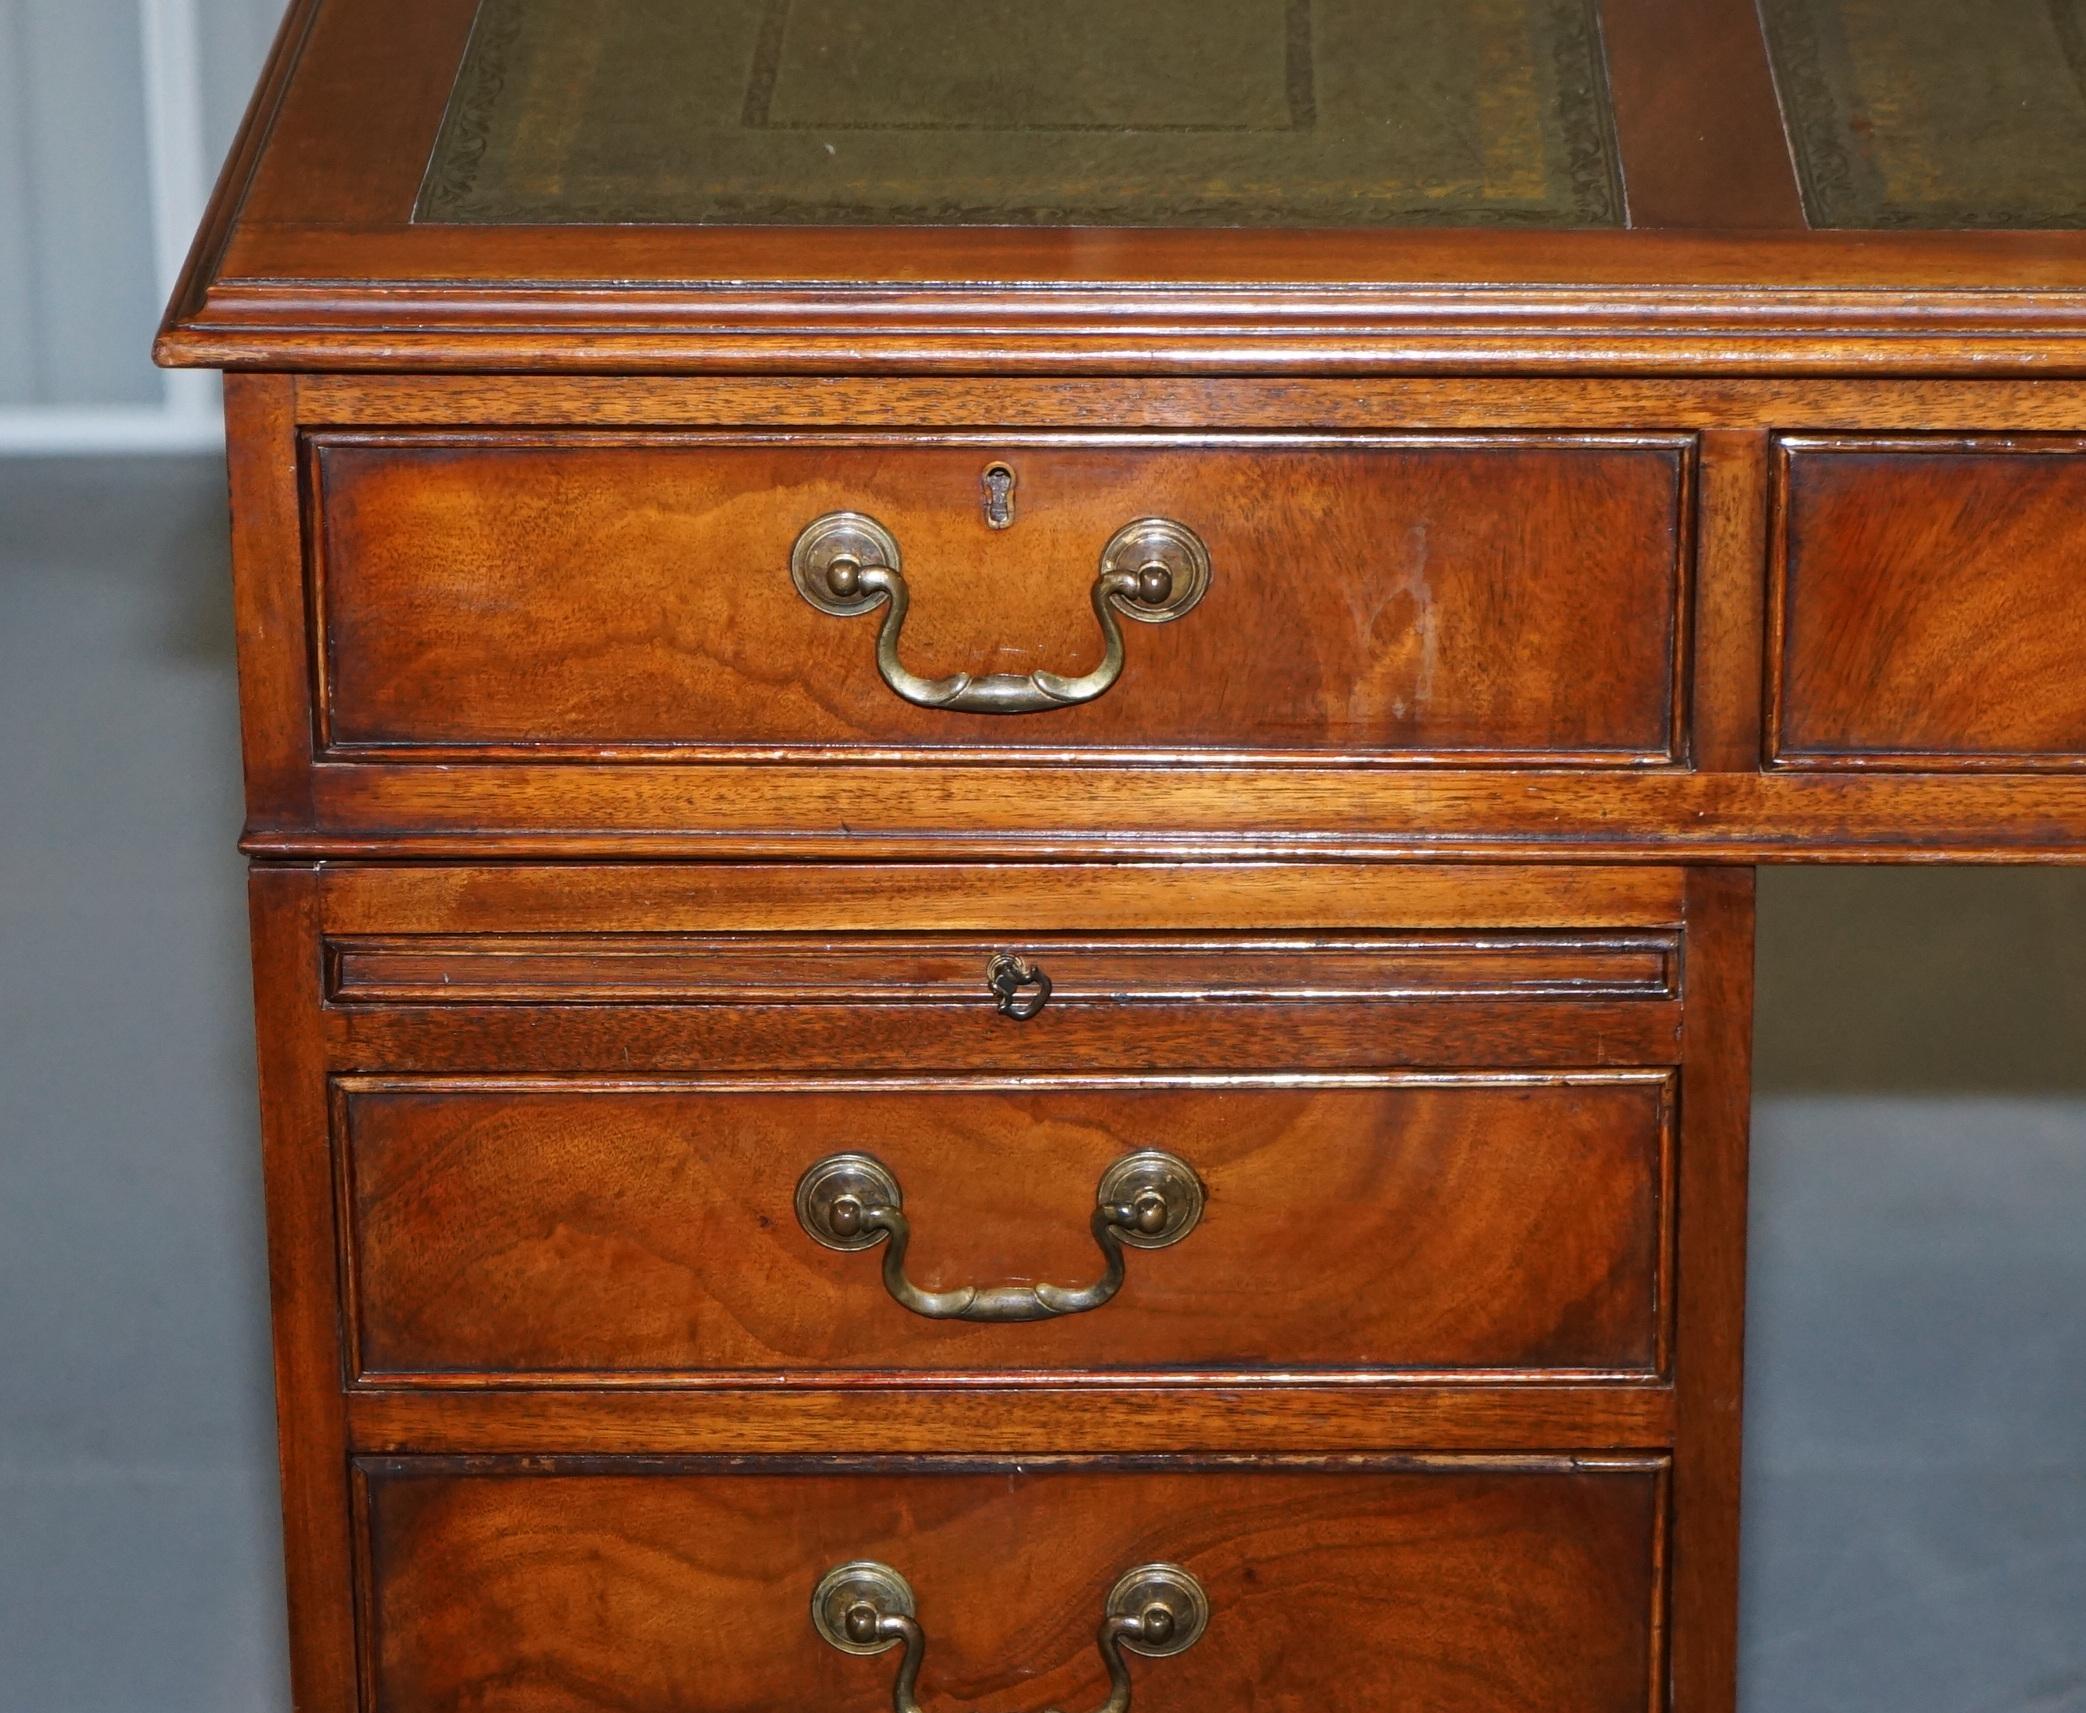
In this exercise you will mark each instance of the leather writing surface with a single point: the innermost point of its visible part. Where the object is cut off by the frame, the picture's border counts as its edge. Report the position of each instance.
(1167, 112)
(1935, 113)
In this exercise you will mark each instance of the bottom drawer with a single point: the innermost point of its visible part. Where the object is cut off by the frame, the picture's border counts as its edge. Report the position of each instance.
(1455, 1585)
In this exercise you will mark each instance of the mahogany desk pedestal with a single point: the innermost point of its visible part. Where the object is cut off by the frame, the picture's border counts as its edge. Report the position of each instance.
(1002, 774)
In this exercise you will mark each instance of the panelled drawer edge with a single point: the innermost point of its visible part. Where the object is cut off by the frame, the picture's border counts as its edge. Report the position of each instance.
(903, 969)
(636, 1229)
(1490, 1585)
(589, 596)
(1927, 609)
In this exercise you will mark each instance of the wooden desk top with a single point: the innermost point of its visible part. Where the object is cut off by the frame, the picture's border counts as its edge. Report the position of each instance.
(1251, 186)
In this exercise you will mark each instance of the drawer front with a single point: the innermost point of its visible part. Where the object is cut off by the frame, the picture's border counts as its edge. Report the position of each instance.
(1474, 598)
(616, 1000)
(601, 1229)
(1458, 1586)
(1932, 605)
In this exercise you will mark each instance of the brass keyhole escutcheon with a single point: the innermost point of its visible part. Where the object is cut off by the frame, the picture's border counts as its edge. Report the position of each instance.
(998, 483)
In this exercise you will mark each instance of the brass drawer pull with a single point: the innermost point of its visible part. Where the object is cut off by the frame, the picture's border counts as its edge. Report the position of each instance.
(866, 1608)
(1008, 974)
(1152, 570)
(1147, 1200)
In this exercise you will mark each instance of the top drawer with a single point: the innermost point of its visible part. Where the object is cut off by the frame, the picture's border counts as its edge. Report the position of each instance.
(1460, 598)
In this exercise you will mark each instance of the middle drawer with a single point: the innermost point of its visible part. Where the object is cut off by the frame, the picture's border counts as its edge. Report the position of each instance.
(599, 1228)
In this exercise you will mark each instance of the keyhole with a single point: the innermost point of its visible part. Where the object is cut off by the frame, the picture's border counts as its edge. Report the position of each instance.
(998, 482)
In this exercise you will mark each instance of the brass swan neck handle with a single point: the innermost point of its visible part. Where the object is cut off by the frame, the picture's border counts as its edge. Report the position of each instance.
(1153, 570)
(1146, 1200)
(866, 1608)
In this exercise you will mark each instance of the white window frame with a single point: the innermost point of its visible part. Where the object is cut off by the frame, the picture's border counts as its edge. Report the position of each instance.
(187, 417)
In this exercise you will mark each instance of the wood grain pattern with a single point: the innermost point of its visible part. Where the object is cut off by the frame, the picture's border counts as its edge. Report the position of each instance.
(582, 1230)
(715, 811)
(987, 898)
(1487, 1588)
(784, 969)
(1027, 1414)
(269, 605)
(1696, 110)
(1929, 606)
(1646, 308)
(1495, 597)
(1188, 1034)
(1709, 1364)
(928, 402)
(303, 1288)
(1730, 601)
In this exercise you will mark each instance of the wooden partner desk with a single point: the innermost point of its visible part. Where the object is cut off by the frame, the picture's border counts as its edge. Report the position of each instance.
(1003, 765)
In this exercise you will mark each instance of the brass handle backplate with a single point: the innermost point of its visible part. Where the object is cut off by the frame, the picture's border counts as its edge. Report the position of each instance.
(1146, 1200)
(1153, 570)
(865, 1608)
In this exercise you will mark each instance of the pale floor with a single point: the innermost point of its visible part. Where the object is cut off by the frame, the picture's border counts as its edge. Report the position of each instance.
(1916, 1500)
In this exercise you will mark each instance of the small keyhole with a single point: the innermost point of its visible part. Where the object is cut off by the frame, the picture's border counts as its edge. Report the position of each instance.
(998, 482)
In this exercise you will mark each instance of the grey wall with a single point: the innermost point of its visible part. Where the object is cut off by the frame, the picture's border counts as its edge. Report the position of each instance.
(233, 38)
(1917, 1455)
(138, 1560)
(79, 293)
(1916, 1467)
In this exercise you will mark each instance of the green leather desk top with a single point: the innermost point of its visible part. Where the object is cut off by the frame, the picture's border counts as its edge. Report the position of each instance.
(1031, 112)
(1244, 113)
(1935, 113)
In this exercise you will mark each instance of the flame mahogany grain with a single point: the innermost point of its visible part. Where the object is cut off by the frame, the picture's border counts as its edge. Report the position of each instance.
(813, 774)
(593, 1229)
(1494, 596)
(1486, 1586)
(1929, 604)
